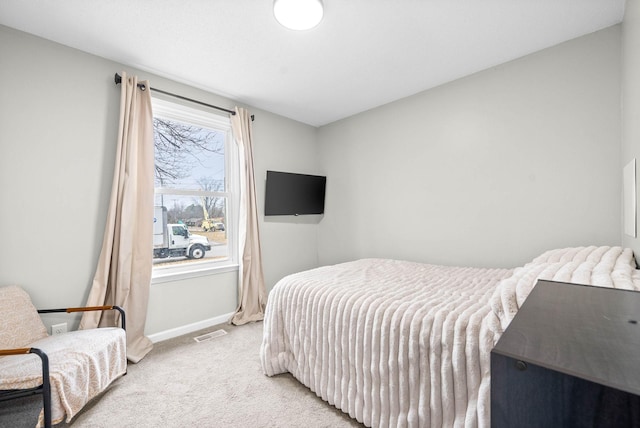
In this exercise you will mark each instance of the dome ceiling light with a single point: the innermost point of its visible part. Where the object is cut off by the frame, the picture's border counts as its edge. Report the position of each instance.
(298, 14)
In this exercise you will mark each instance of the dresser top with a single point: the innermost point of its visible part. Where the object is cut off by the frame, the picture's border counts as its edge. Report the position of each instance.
(585, 331)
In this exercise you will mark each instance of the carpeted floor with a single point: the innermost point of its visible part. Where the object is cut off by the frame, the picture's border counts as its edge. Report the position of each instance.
(183, 383)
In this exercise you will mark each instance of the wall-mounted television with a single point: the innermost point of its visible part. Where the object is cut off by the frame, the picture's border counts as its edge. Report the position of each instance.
(289, 193)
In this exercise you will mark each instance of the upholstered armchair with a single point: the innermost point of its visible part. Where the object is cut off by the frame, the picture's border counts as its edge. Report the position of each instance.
(67, 369)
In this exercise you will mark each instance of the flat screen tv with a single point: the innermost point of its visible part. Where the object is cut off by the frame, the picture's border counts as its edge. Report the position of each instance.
(294, 194)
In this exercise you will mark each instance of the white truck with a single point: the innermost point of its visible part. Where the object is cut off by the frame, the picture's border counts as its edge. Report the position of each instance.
(174, 239)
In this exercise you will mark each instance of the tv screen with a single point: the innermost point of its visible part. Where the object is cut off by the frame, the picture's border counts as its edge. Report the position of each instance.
(294, 194)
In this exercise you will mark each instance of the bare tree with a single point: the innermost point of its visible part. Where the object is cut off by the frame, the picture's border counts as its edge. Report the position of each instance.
(179, 147)
(211, 204)
(175, 213)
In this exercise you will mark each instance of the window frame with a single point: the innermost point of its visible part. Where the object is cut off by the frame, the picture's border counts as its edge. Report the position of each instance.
(179, 112)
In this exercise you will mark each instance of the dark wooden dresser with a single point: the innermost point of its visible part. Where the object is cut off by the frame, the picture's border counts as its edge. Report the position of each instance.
(569, 358)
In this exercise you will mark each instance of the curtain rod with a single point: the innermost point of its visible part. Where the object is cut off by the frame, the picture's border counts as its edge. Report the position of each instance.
(118, 79)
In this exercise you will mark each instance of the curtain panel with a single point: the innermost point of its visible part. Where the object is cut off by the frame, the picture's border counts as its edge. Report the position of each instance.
(251, 288)
(123, 273)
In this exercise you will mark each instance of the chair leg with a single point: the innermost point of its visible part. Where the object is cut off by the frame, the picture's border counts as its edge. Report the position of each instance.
(46, 386)
(46, 401)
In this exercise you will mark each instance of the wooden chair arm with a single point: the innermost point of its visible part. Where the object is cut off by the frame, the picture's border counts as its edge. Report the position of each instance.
(16, 351)
(88, 308)
(79, 309)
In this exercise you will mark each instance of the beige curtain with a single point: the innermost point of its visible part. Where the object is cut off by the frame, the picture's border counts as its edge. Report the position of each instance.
(251, 288)
(123, 274)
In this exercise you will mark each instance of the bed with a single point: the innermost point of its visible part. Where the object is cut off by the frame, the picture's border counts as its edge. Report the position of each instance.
(403, 344)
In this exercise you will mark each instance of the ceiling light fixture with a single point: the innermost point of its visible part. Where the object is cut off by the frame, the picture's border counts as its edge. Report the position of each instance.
(298, 14)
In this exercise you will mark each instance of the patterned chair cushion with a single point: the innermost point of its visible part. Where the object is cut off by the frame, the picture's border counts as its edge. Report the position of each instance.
(21, 324)
(82, 364)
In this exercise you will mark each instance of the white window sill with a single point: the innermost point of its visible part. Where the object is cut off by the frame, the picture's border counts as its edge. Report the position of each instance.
(179, 274)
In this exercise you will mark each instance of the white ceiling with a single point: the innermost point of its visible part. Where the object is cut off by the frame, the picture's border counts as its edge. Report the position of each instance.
(364, 53)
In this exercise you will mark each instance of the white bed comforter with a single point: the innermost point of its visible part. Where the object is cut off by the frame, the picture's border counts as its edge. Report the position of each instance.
(401, 344)
(391, 343)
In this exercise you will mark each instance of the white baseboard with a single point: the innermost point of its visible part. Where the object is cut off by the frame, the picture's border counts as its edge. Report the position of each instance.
(189, 328)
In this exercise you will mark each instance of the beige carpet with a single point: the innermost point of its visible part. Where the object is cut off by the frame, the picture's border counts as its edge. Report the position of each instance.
(183, 383)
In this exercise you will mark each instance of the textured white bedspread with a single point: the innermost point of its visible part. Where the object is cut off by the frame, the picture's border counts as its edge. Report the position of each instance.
(391, 343)
(401, 344)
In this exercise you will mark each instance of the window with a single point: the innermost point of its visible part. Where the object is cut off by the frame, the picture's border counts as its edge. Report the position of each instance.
(195, 190)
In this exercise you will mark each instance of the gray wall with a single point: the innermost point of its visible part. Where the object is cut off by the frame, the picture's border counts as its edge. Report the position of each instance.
(631, 97)
(489, 170)
(287, 146)
(58, 124)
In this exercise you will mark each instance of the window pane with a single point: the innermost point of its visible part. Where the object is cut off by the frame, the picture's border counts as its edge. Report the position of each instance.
(185, 232)
(188, 157)
(192, 198)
